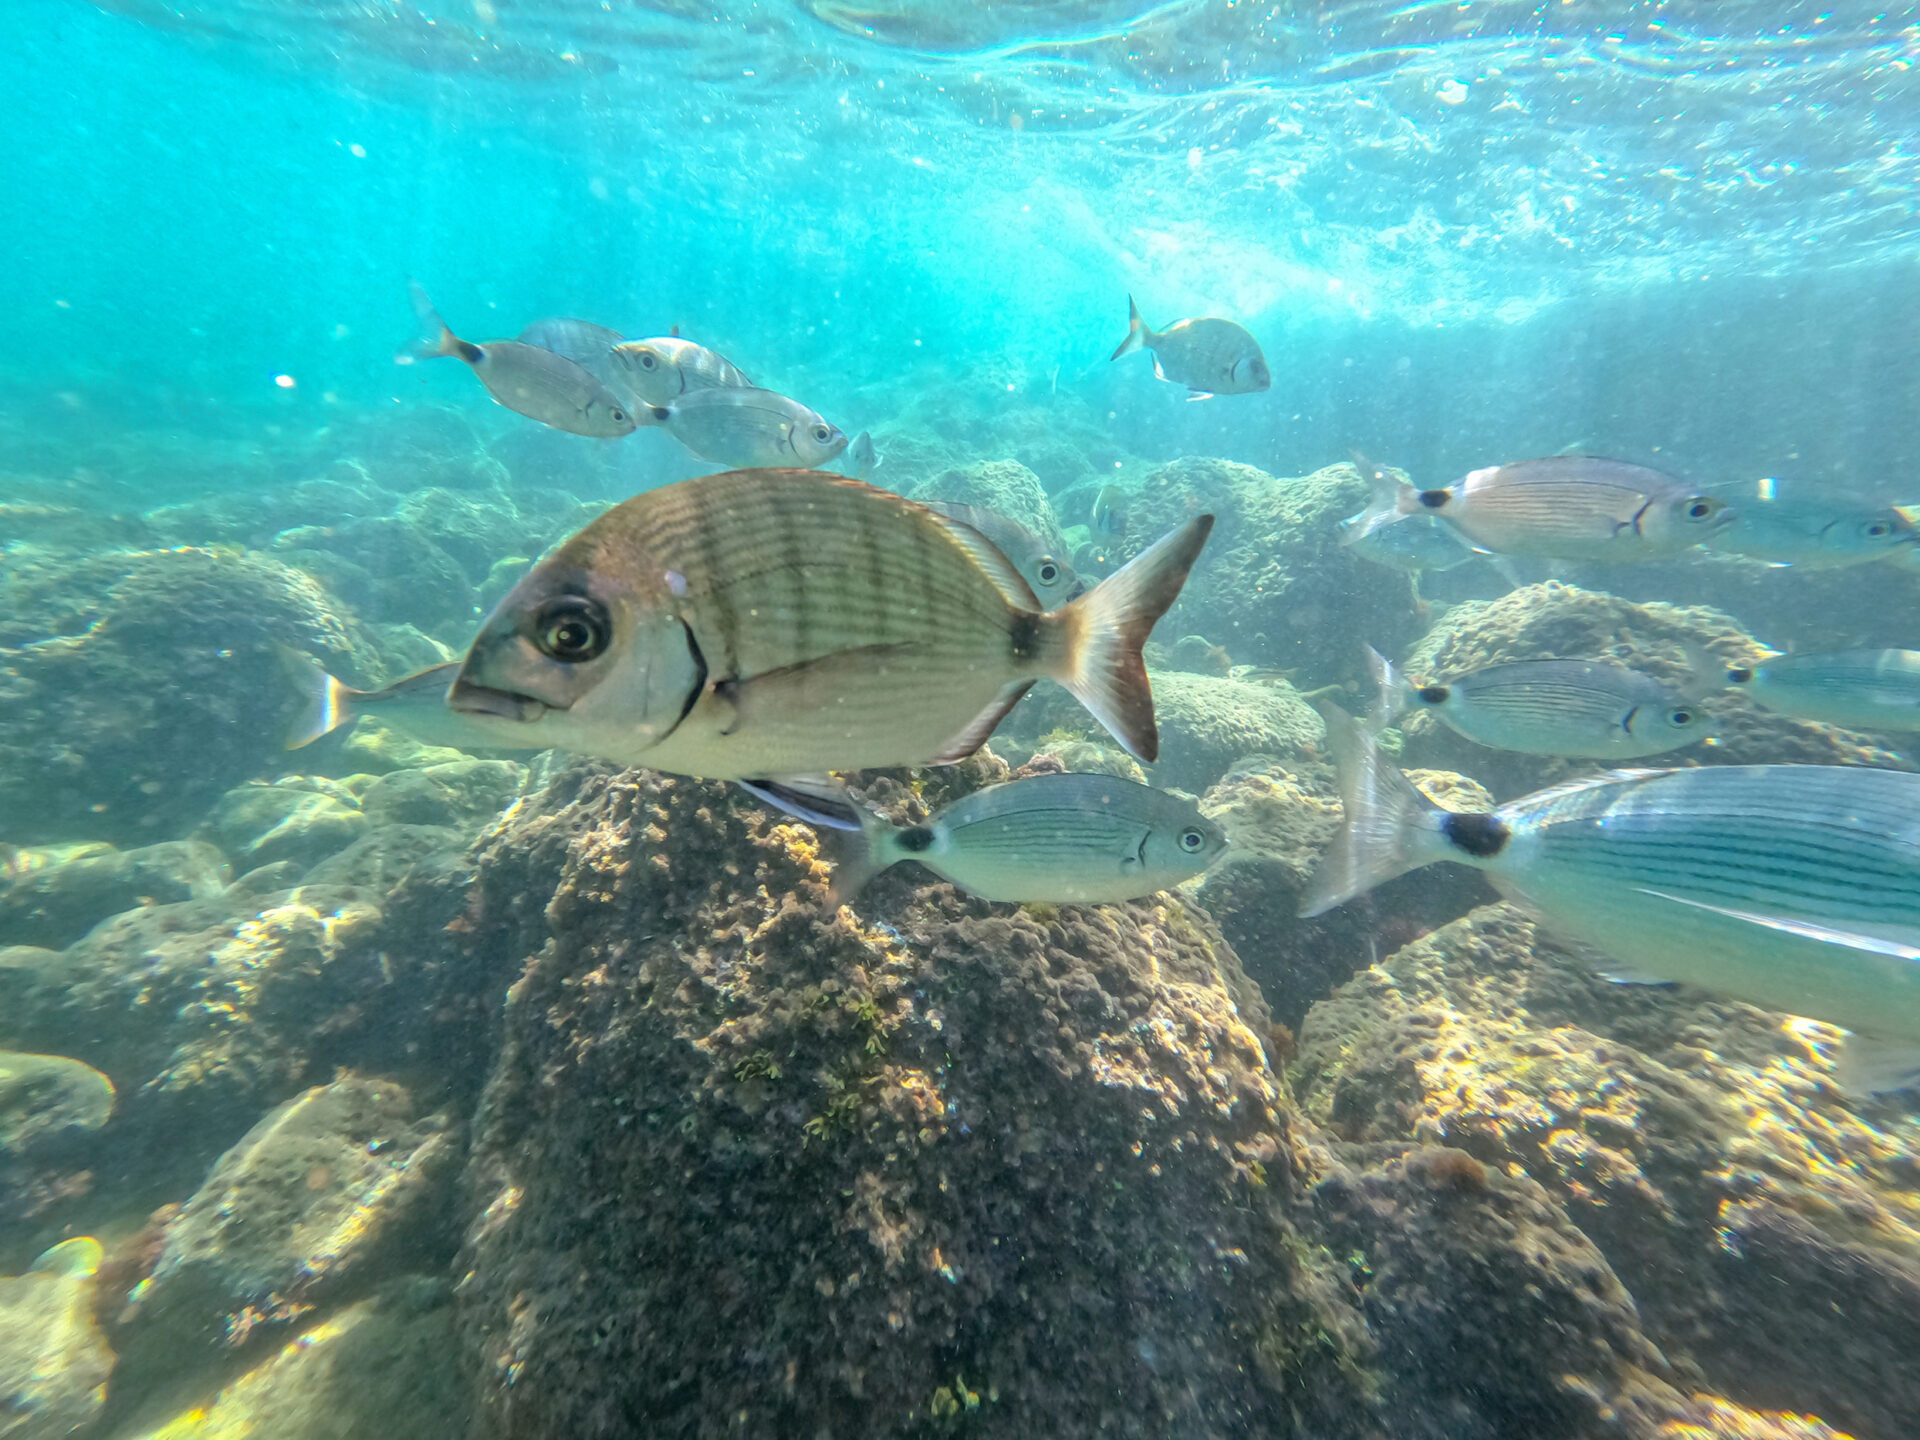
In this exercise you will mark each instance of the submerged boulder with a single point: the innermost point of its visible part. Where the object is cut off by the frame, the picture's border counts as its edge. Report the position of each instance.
(58, 894)
(54, 1362)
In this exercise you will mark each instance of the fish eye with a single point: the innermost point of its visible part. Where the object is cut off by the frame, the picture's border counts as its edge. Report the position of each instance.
(1701, 507)
(1049, 573)
(572, 629)
(1878, 529)
(1681, 717)
(619, 414)
(647, 361)
(1191, 840)
(822, 433)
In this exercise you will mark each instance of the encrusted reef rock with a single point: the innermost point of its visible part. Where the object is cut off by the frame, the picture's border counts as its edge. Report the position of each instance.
(136, 686)
(752, 1166)
(1274, 586)
(58, 894)
(1767, 1227)
(54, 1362)
(323, 1190)
(1559, 621)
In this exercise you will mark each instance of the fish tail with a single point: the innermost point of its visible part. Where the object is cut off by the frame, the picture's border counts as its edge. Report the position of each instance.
(1388, 827)
(1705, 674)
(436, 338)
(1389, 692)
(1388, 499)
(861, 855)
(325, 703)
(1137, 332)
(1104, 629)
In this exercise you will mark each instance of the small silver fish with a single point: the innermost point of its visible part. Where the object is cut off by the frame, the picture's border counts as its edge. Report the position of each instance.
(747, 428)
(581, 341)
(1407, 543)
(416, 705)
(1812, 527)
(529, 379)
(1052, 578)
(1860, 689)
(1208, 356)
(1109, 516)
(1793, 887)
(861, 460)
(1069, 839)
(1583, 709)
(1568, 507)
(666, 367)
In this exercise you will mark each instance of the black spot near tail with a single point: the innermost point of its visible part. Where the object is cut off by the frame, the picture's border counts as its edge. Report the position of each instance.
(1433, 694)
(1481, 836)
(1434, 499)
(1024, 630)
(914, 839)
(1740, 675)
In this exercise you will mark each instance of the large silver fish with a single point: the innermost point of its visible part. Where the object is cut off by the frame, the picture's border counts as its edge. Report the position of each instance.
(1861, 689)
(1792, 887)
(529, 379)
(1052, 578)
(769, 623)
(750, 428)
(664, 368)
(1811, 527)
(1584, 709)
(1568, 507)
(1208, 356)
(1070, 839)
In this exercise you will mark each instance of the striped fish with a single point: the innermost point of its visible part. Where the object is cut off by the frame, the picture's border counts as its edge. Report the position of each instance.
(1052, 578)
(739, 425)
(1568, 507)
(1585, 709)
(1792, 887)
(1861, 689)
(769, 623)
(666, 367)
(1070, 839)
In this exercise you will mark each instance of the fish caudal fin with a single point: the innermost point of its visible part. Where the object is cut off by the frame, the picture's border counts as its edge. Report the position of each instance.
(1106, 627)
(1705, 673)
(1388, 827)
(1137, 332)
(435, 338)
(1388, 499)
(325, 703)
(861, 855)
(1389, 692)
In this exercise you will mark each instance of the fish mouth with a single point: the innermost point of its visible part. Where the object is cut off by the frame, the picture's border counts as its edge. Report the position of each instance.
(471, 699)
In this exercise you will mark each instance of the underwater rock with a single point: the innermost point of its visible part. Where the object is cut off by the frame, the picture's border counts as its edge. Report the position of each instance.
(1768, 1229)
(288, 820)
(961, 1164)
(1274, 585)
(384, 856)
(1200, 655)
(328, 1187)
(462, 794)
(57, 895)
(385, 1366)
(1279, 823)
(387, 569)
(1004, 486)
(54, 1362)
(375, 749)
(136, 687)
(46, 1096)
(1555, 620)
(1206, 723)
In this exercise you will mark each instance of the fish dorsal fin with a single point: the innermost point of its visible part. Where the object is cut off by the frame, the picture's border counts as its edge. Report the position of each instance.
(1009, 581)
(674, 333)
(1869, 1065)
(982, 725)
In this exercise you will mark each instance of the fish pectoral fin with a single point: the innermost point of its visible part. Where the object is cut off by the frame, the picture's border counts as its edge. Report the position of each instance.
(816, 799)
(775, 695)
(1806, 929)
(982, 725)
(1870, 1065)
(1194, 395)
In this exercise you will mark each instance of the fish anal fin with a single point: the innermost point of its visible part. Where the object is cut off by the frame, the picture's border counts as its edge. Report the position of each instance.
(982, 725)
(816, 799)
(1194, 395)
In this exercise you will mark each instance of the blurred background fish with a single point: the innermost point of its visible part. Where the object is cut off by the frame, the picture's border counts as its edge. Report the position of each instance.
(1209, 356)
(1862, 689)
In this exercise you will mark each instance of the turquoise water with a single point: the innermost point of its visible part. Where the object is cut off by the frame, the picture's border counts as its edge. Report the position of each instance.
(380, 1087)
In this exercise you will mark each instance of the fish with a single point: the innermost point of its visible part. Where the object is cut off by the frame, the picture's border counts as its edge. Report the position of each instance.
(861, 459)
(750, 428)
(1585, 709)
(769, 623)
(1208, 356)
(529, 379)
(1567, 507)
(1053, 580)
(1110, 512)
(1068, 839)
(1791, 887)
(662, 369)
(1812, 527)
(416, 705)
(1860, 689)
(1407, 543)
(581, 341)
